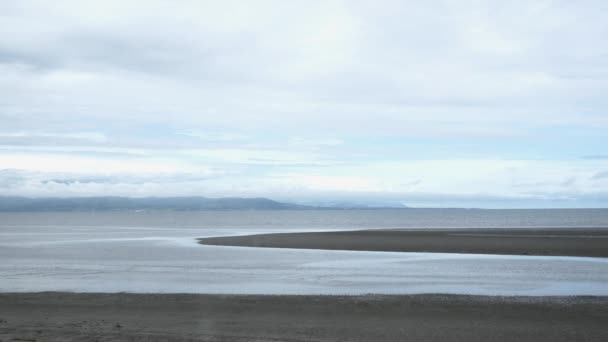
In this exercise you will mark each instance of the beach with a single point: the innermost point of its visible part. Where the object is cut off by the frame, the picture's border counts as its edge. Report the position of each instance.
(303, 171)
(173, 317)
(584, 242)
(173, 277)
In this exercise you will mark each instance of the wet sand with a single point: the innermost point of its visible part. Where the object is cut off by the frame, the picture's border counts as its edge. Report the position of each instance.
(169, 317)
(587, 242)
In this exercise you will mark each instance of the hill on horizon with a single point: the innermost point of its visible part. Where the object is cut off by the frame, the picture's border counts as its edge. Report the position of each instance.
(105, 203)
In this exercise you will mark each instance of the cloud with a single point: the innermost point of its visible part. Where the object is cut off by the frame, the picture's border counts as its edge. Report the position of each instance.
(93, 165)
(597, 156)
(417, 183)
(214, 136)
(600, 175)
(254, 66)
(317, 143)
(278, 97)
(46, 138)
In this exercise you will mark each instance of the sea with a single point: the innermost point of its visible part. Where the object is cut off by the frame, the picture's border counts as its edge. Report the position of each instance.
(157, 252)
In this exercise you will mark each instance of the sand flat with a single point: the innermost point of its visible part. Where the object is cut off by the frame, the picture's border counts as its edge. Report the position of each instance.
(171, 317)
(586, 242)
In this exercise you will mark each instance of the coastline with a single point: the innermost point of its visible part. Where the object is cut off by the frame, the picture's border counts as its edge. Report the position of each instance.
(186, 317)
(70, 316)
(582, 242)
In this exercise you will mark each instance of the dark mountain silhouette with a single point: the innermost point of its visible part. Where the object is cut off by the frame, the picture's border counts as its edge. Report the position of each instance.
(147, 203)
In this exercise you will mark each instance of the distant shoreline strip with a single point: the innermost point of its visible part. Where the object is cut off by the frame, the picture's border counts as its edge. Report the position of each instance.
(551, 242)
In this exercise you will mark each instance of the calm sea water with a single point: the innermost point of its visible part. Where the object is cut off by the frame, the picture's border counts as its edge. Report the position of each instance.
(157, 252)
(322, 219)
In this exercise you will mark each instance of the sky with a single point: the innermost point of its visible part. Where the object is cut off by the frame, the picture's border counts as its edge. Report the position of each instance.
(493, 104)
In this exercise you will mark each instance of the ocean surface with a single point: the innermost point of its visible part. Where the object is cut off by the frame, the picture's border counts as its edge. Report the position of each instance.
(157, 252)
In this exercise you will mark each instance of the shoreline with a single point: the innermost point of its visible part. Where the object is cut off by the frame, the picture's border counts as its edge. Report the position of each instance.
(190, 317)
(578, 242)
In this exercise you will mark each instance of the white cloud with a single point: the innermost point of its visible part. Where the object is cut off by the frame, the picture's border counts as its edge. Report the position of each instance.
(91, 165)
(462, 177)
(81, 136)
(257, 156)
(504, 98)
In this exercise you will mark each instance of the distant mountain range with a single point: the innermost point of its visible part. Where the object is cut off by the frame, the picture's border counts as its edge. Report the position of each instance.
(147, 203)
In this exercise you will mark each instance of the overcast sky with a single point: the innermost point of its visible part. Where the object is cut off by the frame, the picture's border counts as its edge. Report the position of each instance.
(427, 103)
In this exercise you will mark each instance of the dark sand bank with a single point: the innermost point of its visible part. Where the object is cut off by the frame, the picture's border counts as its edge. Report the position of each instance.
(591, 242)
(166, 317)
